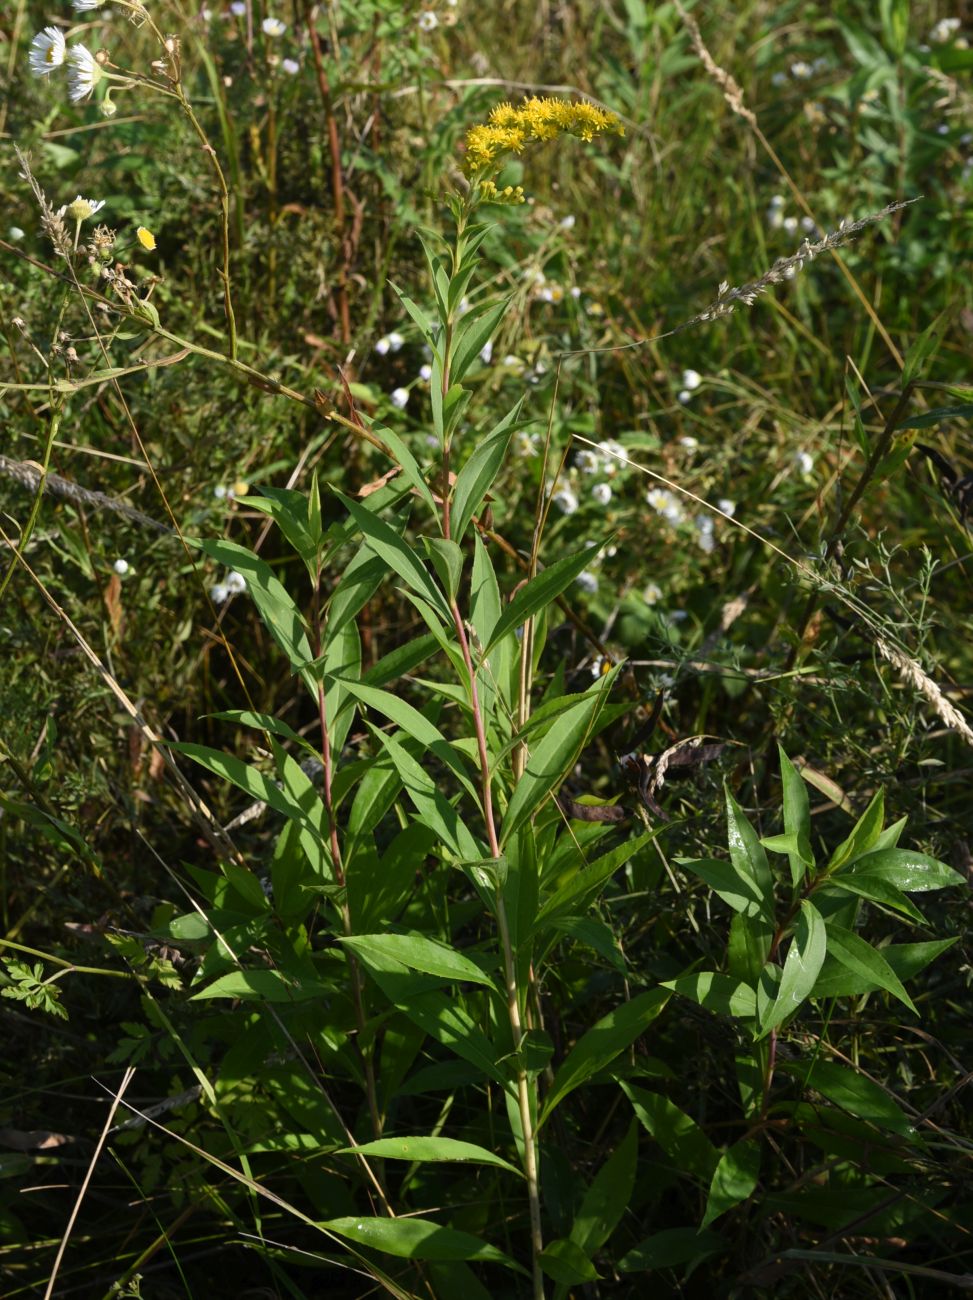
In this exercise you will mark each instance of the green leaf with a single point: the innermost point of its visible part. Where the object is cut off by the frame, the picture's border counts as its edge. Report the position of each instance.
(450, 1025)
(747, 854)
(433, 807)
(853, 952)
(858, 1096)
(748, 947)
(397, 554)
(419, 953)
(409, 1238)
(403, 457)
(915, 873)
(669, 1248)
(939, 415)
(734, 1180)
(429, 1149)
(478, 474)
(602, 1043)
(356, 586)
(797, 818)
(802, 966)
(677, 1133)
(262, 986)
(737, 888)
(447, 560)
(471, 334)
(904, 960)
(862, 838)
(566, 1262)
(715, 992)
(555, 755)
(289, 510)
(877, 889)
(577, 894)
(593, 934)
(542, 589)
(606, 1200)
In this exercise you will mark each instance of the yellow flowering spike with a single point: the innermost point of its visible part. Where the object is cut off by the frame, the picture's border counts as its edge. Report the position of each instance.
(146, 238)
(509, 129)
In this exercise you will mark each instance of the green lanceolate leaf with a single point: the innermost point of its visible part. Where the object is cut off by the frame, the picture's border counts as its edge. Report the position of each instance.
(720, 993)
(431, 804)
(877, 889)
(577, 894)
(858, 956)
(262, 986)
(602, 1043)
(862, 838)
(747, 854)
(859, 1096)
(422, 1150)
(397, 554)
(679, 1136)
(797, 819)
(359, 582)
(737, 888)
(477, 476)
(409, 1238)
(734, 1179)
(566, 1263)
(289, 510)
(471, 335)
(554, 756)
(802, 966)
(541, 591)
(748, 947)
(912, 872)
(904, 960)
(419, 953)
(447, 559)
(606, 1200)
(669, 1249)
(408, 463)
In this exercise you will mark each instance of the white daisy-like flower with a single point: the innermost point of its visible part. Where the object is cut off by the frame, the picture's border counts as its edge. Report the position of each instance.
(727, 506)
(486, 352)
(652, 593)
(427, 21)
(47, 51)
(666, 503)
(235, 582)
(80, 209)
(396, 341)
(944, 30)
(613, 456)
(602, 493)
(273, 27)
(689, 442)
(219, 492)
(15, 234)
(567, 223)
(801, 71)
(803, 461)
(400, 398)
(574, 291)
(84, 73)
(586, 461)
(238, 9)
(684, 396)
(290, 66)
(565, 500)
(587, 582)
(121, 567)
(776, 200)
(384, 346)
(425, 372)
(219, 593)
(790, 225)
(691, 379)
(85, 6)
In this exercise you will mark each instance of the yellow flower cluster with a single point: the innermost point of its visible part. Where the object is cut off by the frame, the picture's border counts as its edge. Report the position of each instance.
(509, 129)
(509, 194)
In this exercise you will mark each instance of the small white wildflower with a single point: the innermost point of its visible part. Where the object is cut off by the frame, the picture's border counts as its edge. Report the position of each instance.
(665, 502)
(486, 352)
(586, 461)
(290, 66)
(684, 396)
(15, 234)
(219, 492)
(383, 346)
(205, 14)
(652, 593)
(238, 9)
(707, 543)
(80, 209)
(808, 225)
(121, 567)
(944, 30)
(600, 665)
(85, 6)
(235, 582)
(790, 224)
(602, 493)
(587, 582)
(425, 372)
(804, 461)
(613, 456)
(567, 223)
(512, 362)
(574, 291)
(779, 79)
(396, 341)
(691, 379)
(46, 52)
(689, 442)
(219, 593)
(801, 71)
(776, 200)
(703, 524)
(565, 500)
(727, 506)
(427, 21)
(400, 398)
(679, 616)
(610, 551)
(775, 218)
(942, 128)
(273, 27)
(84, 73)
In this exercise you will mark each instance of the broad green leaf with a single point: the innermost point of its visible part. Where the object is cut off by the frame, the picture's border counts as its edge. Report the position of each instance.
(715, 992)
(853, 952)
(747, 854)
(288, 509)
(863, 836)
(577, 894)
(566, 1262)
(447, 559)
(878, 889)
(409, 1238)
(603, 1042)
(737, 888)
(912, 872)
(904, 959)
(734, 1180)
(378, 886)
(471, 335)
(797, 818)
(669, 1249)
(541, 591)
(449, 1024)
(419, 953)
(803, 963)
(404, 458)
(403, 659)
(358, 583)
(434, 1149)
(432, 805)
(606, 1200)
(857, 1095)
(593, 934)
(477, 476)
(554, 756)
(748, 947)
(677, 1133)
(397, 554)
(262, 986)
